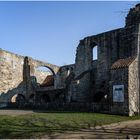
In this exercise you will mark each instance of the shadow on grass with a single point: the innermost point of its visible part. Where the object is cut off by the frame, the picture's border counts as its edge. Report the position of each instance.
(37, 128)
(42, 123)
(32, 128)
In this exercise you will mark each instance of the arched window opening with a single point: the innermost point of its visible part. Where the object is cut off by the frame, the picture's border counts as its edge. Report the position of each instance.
(13, 99)
(44, 76)
(17, 98)
(68, 71)
(95, 52)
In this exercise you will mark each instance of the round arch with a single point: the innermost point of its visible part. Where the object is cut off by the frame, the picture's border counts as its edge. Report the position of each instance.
(52, 71)
(13, 98)
(18, 99)
(44, 75)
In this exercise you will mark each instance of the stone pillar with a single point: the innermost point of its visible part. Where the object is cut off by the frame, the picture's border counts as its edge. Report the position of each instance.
(138, 55)
(26, 76)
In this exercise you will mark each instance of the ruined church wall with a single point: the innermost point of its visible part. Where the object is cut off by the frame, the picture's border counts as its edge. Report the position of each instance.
(83, 66)
(119, 77)
(127, 42)
(11, 75)
(133, 88)
(14, 76)
(63, 73)
(112, 45)
(128, 77)
(107, 54)
(107, 47)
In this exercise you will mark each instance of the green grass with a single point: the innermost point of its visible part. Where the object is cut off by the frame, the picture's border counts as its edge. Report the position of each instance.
(37, 124)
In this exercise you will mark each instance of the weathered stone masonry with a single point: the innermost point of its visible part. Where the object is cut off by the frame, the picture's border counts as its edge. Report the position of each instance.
(99, 78)
(110, 83)
(17, 73)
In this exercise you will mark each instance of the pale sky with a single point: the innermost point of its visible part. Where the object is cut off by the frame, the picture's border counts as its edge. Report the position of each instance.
(50, 31)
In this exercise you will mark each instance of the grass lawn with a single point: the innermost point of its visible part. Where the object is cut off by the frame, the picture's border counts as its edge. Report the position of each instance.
(37, 124)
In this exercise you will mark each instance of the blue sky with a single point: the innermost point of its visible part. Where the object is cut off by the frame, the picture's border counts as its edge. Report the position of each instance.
(50, 31)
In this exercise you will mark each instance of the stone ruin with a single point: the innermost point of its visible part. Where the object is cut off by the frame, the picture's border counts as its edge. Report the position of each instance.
(108, 84)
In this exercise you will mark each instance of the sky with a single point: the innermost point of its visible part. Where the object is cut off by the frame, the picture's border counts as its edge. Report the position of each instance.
(50, 31)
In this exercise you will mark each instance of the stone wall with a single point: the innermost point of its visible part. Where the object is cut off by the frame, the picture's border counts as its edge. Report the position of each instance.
(119, 77)
(11, 75)
(17, 75)
(83, 63)
(112, 45)
(127, 42)
(63, 73)
(86, 78)
(133, 88)
(133, 17)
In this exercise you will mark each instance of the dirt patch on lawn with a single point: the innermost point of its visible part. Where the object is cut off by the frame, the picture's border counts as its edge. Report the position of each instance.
(15, 112)
(121, 130)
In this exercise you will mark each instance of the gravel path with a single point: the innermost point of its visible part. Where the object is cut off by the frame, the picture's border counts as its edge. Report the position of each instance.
(123, 130)
(14, 112)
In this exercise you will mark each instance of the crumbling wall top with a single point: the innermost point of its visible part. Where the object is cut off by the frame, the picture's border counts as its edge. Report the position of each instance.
(133, 17)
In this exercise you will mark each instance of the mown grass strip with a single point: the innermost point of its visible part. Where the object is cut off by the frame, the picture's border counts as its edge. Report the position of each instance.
(37, 124)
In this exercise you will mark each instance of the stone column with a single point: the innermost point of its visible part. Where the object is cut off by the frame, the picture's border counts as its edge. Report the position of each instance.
(138, 55)
(26, 76)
